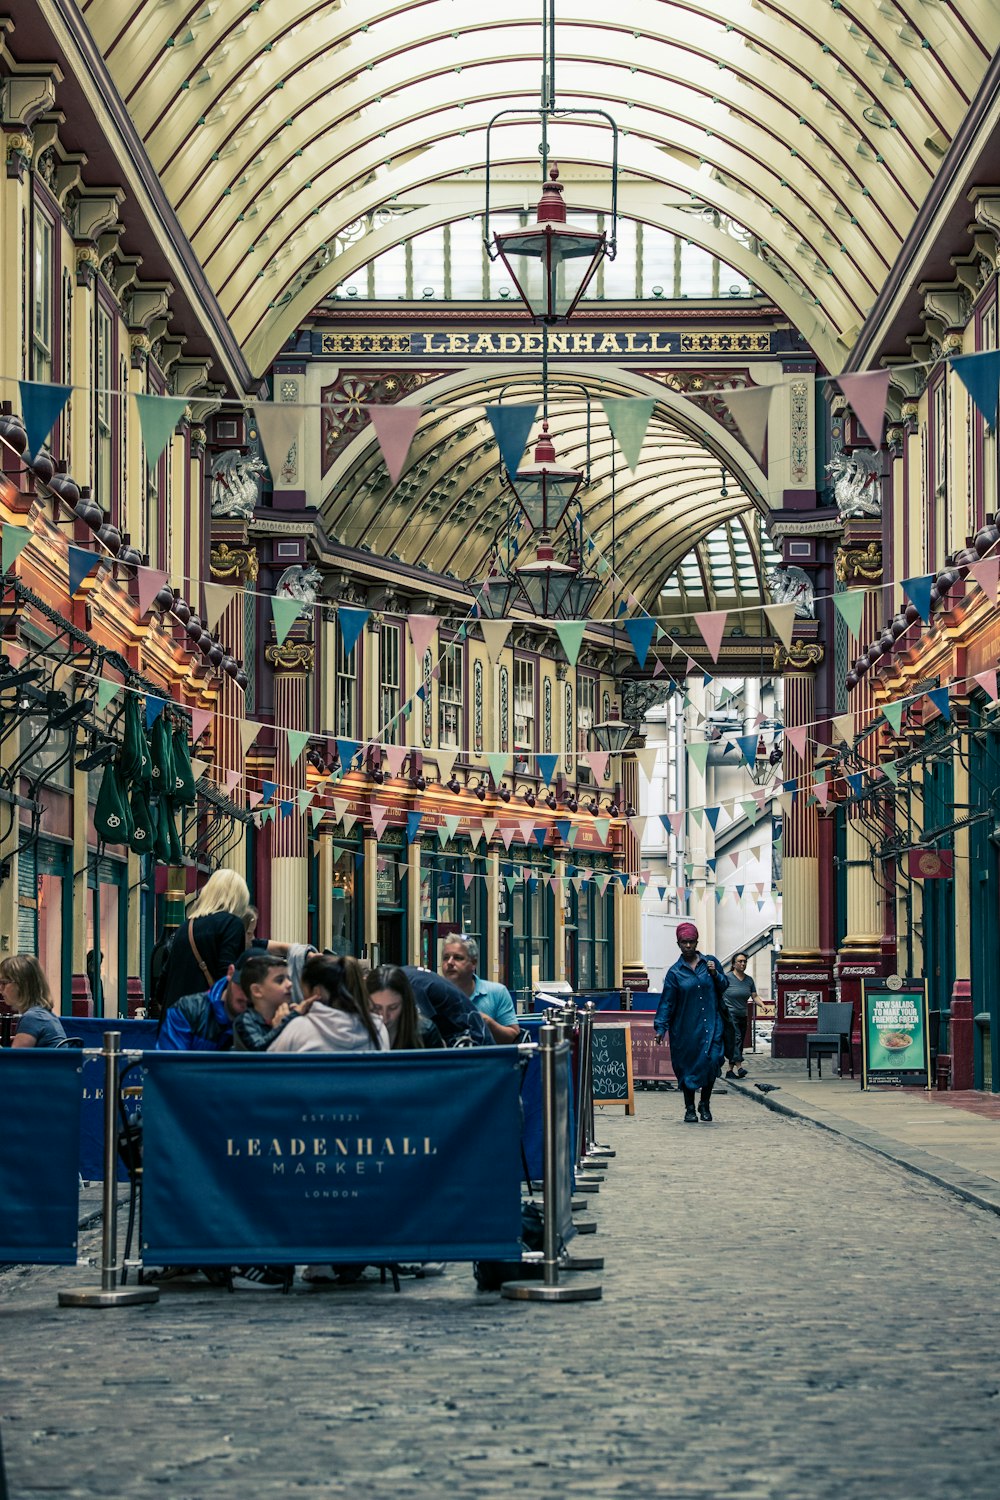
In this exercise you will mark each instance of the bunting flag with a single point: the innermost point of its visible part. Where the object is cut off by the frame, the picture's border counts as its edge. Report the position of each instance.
(563, 826)
(748, 747)
(698, 752)
(939, 697)
(527, 828)
(821, 788)
(749, 409)
(628, 417)
(280, 425)
(149, 582)
(782, 618)
(988, 682)
(41, 408)
(199, 768)
(918, 591)
(659, 670)
(268, 789)
(490, 826)
(511, 425)
(637, 822)
(546, 767)
(712, 815)
(158, 416)
(340, 806)
(495, 633)
(233, 779)
(498, 765)
(82, 563)
(15, 539)
(892, 772)
(640, 633)
(201, 718)
(602, 827)
(284, 612)
(154, 708)
(986, 572)
(507, 832)
(712, 624)
(298, 739)
(867, 394)
(379, 816)
(539, 835)
(893, 714)
(422, 628)
(351, 621)
(646, 760)
(248, 733)
(316, 816)
(303, 799)
(395, 428)
(394, 757)
(750, 810)
(413, 822)
(843, 727)
(598, 760)
(570, 633)
(980, 374)
(108, 690)
(446, 763)
(797, 735)
(347, 752)
(218, 597)
(851, 606)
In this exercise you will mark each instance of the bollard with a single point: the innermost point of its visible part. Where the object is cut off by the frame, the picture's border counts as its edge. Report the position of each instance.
(110, 1294)
(583, 1086)
(549, 1290)
(597, 1155)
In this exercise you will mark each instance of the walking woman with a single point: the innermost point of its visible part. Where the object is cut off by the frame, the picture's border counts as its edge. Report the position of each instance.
(690, 1009)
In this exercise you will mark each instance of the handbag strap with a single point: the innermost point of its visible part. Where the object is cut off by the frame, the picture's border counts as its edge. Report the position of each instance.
(203, 966)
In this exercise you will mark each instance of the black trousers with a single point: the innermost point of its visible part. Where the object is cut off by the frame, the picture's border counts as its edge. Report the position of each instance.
(736, 1035)
(706, 1094)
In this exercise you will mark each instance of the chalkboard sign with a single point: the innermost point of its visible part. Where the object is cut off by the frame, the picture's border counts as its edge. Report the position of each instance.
(611, 1066)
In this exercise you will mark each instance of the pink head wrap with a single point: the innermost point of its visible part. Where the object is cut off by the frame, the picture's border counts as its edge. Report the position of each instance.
(686, 930)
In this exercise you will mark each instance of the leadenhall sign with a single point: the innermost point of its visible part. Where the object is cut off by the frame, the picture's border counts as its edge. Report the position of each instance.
(595, 343)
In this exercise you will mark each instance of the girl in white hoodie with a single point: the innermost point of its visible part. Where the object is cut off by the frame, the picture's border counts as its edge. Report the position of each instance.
(340, 1017)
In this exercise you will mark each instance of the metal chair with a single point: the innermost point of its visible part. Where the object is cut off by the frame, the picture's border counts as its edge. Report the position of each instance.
(833, 1033)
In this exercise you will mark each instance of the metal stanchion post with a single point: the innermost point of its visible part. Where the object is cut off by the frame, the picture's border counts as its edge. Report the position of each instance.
(597, 1155)
(549, 1289)
(110, 1294)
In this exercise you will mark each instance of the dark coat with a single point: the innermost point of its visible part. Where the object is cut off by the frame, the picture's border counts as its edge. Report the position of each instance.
(454, 1014)
(221, 938)
(690, 1010)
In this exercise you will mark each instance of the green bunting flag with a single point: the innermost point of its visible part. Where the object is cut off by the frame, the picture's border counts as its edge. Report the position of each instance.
(893, 714)
(15, 539)
(158, 416)
(570, 633)
(699, 754)
(298, 739)
(892, 772)
(106, 691)
(851, 606)
(284, 612)
(628, 417)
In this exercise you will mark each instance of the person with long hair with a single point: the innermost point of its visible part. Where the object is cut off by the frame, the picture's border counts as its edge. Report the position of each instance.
(340, 1017)
(208, 941)
(393, 999)
(24, 987)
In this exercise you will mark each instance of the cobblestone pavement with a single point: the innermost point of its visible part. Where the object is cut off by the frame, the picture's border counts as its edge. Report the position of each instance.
(784, 1315)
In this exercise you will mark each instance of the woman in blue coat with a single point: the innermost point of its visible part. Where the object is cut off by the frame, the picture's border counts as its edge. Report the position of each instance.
(691, 1011)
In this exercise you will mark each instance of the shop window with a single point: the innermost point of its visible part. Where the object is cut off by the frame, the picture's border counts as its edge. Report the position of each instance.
(390, 683)
(450, 697)
(586, 717)
(343, 899)
(346, 690)
(42, 272)
(524, 705)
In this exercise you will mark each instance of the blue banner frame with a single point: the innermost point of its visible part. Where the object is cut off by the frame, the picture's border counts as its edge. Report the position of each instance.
(39, 1183)
(369, 1158)
(136, 1035)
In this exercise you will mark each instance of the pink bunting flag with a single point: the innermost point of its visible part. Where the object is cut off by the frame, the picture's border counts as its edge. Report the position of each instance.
(394, 427)
(676, 821)
(422, 628)
(597, 760)
(797, 736)
(691, 668)
(822, 791)
(988, 682)
(149, 582)
(467, 880)
(749, 408)
(527, 829)
(255, 798)
(233, 779)
(380, 816)
(712, 624)
(987, 575)
(867, 394)
(201, 718)
(394, 757)
(507, 832)
(659, 670)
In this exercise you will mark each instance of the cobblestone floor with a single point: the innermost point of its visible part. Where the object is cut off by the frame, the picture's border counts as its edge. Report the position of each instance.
(784, 1315)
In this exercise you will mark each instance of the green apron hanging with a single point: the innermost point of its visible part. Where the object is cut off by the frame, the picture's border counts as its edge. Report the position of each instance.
(112, 820)
(163, 759)
(135, 763)
(184, 793)
(143, 824)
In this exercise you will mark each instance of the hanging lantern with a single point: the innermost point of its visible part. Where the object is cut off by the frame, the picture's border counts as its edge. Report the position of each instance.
(550, 262)
(544, 490)
(613, 734)
(545, 582)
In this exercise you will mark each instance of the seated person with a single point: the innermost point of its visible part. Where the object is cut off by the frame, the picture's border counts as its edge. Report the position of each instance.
(458, 1021)
(392, 997)
(204, 1022)
(24, 987)
(339, 1019)
(494, 1002)
(270, 1007)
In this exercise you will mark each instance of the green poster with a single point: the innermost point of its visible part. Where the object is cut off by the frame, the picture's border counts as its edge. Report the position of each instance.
(895, 1035)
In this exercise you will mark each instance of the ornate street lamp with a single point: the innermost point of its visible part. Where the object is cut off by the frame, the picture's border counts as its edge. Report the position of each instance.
(544, 490)
(613, 734)
(551, 262)
(495, 597)
(580, 595)
(545, 582)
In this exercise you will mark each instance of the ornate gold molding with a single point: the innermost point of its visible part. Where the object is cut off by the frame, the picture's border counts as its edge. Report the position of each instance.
(859, 562)
(800, 656)
(291, 656)
(230, 562)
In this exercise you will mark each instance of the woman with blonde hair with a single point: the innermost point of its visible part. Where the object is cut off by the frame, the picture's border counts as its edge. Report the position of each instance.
(24, 987)
(211, 938)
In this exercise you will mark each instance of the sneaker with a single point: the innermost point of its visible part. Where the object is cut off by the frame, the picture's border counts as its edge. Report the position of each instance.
(258, 1279)
(420, 1271)
(690, 1118)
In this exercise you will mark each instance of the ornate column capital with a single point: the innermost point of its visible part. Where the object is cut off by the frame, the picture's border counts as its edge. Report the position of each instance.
(291, 656)
(800, 656)
(853, 564)
(236, 563)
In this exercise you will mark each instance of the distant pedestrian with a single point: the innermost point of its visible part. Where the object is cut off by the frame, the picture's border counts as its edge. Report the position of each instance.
(741, 990)
(691, 1010)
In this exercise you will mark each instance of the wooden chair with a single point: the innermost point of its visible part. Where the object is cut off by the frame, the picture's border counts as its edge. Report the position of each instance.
(832, 1035)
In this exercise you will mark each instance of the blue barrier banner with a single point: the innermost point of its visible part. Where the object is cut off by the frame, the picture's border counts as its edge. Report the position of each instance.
(532, 1126)
(275, 1160)
(39, 1184)
(136, 1035)
(565, 1159)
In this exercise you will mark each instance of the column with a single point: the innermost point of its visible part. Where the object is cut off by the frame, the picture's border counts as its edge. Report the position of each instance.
(803, 976)
(234, 563)
(700, 837)
(287, 918)
(493, 915)
(369, 892)
(634, 976)
(559, 925)
(413, 903)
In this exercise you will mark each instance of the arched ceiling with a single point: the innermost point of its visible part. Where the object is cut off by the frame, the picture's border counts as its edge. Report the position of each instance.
(450, 502)
(796, 141)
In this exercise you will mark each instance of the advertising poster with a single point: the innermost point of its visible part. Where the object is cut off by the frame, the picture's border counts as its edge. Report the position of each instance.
(895, 1036)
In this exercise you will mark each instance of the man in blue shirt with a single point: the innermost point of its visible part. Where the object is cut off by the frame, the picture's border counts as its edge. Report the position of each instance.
(493, 1001)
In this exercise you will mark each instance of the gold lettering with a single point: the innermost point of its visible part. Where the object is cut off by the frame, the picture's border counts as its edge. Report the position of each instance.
(457, 343)
(298, 1148)
(387, 1147)
(341, 1146)
(532, 343)
(319, 1146)
(232, 1149)
(557, 343)
(510, 343)
(274, 1149)
(433, 347)
(253, 1148)
(429, 1150)
(484, 344)
(365, 1146)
